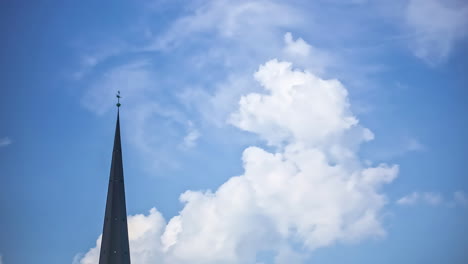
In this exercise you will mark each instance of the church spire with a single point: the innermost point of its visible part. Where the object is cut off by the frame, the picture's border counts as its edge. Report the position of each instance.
(114, 244)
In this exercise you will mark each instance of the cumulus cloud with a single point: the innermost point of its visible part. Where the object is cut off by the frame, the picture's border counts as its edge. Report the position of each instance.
(274, 116)
(311, 191)
(5, 141)
(437, 26)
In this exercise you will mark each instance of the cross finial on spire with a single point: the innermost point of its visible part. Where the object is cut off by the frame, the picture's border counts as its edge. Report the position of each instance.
(118, 99)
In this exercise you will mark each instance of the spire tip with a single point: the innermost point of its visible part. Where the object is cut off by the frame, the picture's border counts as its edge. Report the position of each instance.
(118, 99)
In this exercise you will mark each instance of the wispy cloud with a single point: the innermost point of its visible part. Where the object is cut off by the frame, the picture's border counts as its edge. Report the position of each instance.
(417, 198)
(400, 146)
(190, 140)
(132, 79)
(308, 56)
(235, 46)
(458, 198)
(414, 144)
(437, 26)
(228, 19)
(5, 141)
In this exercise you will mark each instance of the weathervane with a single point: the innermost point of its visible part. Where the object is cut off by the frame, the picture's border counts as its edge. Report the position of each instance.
(118, 99)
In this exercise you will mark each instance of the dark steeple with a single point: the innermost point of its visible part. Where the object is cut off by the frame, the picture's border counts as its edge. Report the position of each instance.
(114, 245)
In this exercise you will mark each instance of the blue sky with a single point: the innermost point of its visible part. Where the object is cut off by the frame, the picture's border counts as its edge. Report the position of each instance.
(253, 131)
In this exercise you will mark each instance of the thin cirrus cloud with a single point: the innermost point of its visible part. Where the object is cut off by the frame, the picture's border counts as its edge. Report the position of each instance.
(414, 198)
(430, 28)
(237, 46)
(436, 26)
(458, 198)
(5, 141)
(190, 140)
(201, 100)
(259, 210)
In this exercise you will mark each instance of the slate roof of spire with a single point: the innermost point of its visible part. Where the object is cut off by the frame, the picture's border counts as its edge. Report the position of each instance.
(114, 244)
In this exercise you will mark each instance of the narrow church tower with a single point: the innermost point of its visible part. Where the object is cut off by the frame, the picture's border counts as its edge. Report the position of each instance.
(114, 245)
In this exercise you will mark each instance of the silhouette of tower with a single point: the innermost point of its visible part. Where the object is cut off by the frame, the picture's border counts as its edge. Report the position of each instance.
(114, 244)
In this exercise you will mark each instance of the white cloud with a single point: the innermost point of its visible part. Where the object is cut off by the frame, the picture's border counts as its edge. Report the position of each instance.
(5, 141)
(312, 191)
(1, 259)
(274, 116)
(437, 25)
